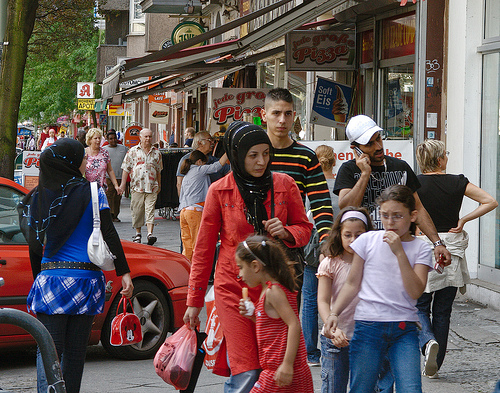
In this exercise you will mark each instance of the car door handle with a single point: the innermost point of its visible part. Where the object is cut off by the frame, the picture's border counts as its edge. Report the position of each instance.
(3, 262)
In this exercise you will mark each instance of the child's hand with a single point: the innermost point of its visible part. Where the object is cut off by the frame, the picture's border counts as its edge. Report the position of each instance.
(331, 325)
(394, 241)
(339, 339)
(246, 308)
(284, 375)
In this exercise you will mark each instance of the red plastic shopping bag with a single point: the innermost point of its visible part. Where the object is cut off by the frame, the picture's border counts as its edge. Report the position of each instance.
(174, 360)
(215, 344)
(125, 328)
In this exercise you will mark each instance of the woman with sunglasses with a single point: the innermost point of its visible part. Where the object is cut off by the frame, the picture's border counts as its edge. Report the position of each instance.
(250, 200)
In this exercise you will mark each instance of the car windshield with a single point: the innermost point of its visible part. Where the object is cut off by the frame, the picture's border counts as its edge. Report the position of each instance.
(10, 231)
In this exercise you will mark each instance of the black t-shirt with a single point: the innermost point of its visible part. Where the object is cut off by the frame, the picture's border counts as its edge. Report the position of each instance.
(397, 172)
(442, 197)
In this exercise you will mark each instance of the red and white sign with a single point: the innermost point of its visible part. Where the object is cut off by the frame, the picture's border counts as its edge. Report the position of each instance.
(85, 90)
(228, 105)
(320, 50)
(343, 152)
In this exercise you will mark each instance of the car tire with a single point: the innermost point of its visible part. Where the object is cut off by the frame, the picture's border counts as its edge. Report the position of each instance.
(153, 310)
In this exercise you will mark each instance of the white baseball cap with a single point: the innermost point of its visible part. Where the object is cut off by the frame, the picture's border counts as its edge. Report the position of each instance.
(361, 128)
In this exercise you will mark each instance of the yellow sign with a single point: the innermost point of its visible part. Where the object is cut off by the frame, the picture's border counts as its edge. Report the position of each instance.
(86, 104)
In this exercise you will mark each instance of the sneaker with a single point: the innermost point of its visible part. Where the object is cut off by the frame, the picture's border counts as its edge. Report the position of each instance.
(434, 376)
(137, 238)
(430, 363)
(151, 239)
(314, 363)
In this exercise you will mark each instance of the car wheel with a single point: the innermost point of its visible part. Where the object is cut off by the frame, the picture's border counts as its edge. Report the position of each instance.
(151, 306)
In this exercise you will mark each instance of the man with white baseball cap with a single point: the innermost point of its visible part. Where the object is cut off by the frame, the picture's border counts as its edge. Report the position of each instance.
(360, 181)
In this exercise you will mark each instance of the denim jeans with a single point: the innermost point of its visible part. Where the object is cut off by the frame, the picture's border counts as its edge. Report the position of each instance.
(71, 336)
(437, 327)
(334, 367)
(372, 342)
(241, 383)
(310, 313)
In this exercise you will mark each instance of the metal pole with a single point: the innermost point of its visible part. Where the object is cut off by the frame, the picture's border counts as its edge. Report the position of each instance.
(44, 340)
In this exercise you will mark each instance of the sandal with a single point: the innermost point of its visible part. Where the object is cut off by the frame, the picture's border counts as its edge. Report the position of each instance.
(151, 239)
(137, 238)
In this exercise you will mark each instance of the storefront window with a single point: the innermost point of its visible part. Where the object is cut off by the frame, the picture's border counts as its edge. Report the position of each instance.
(490, 158)
(398, 83)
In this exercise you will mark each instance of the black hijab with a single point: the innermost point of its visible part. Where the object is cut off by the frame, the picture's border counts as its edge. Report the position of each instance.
(58, 202)
(238, 139)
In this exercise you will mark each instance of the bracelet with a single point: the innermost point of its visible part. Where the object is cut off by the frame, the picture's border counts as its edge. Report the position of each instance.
(438, 243)
(332, 314)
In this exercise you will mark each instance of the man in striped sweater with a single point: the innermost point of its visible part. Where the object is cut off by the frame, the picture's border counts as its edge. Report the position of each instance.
(301, 163)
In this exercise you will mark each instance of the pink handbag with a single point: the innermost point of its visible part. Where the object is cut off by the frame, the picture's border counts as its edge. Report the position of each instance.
(126, 327)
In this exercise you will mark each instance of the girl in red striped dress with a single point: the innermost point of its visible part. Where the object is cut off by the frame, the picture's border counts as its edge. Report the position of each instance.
(282, 351)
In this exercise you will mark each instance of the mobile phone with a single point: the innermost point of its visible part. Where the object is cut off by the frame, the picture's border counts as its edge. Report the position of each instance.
(358, 150)
(439, 265)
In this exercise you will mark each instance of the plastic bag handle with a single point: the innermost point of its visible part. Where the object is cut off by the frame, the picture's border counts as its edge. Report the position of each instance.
(124, 300)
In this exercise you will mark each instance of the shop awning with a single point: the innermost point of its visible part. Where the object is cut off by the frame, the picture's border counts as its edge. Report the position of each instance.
(224, 57)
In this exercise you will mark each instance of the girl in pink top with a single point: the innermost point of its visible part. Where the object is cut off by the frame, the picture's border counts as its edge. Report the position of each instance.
(282, 350)
(332, 273)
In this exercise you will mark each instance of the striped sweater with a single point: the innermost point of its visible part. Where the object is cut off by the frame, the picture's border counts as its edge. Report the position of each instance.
(301, 163)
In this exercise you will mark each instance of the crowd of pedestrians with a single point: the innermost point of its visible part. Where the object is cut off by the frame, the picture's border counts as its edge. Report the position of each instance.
(258, 205)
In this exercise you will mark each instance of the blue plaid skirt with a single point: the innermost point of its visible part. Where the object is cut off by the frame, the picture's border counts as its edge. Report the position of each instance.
(61, 291)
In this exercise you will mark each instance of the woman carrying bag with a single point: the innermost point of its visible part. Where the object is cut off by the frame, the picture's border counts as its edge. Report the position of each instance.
(249, 200)
(69, 290)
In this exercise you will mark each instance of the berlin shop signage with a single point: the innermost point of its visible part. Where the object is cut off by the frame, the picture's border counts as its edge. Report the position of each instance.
(320, 50)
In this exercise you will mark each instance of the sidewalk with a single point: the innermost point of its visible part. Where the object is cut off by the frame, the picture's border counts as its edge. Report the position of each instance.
(471, 364)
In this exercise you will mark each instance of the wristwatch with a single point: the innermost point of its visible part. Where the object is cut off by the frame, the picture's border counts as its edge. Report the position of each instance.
(438, 243)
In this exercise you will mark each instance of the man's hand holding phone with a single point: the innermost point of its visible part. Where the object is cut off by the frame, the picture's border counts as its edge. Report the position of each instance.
(362, 159)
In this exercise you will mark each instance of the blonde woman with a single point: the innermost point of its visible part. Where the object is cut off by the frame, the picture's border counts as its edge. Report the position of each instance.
(442, 195)
(98, 161)
(327, 159)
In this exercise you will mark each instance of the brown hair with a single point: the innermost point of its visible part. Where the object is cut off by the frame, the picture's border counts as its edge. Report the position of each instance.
(272, 254)
(401, 194)
(333, 243)
(191, 160)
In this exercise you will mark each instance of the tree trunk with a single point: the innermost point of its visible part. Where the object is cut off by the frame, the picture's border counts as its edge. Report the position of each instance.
(20, 21)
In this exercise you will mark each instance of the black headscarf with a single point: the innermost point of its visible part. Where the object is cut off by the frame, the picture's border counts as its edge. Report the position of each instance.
(58, 202)
(238, 139)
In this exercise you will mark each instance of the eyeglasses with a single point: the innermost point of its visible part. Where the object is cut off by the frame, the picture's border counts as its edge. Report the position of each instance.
(394, 217)
(209, 139)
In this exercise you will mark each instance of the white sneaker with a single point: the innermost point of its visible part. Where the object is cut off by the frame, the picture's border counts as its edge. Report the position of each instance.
(435, 376)
(430, 363)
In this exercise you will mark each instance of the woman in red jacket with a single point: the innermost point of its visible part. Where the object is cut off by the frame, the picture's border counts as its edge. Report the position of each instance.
(249, 200)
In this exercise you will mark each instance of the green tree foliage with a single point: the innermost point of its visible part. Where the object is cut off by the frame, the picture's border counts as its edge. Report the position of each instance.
(49, 89)
(62, 52)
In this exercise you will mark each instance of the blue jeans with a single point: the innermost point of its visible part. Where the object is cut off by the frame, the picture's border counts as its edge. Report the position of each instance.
(310, 313)
(242, 382)
(334, 367)
(71, 336)
(372, 342)
(439, 327)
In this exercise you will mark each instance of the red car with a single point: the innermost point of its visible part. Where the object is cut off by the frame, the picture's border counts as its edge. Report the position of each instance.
(160, 286)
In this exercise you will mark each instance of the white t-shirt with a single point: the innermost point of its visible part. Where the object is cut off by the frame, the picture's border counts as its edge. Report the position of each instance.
(383, 297)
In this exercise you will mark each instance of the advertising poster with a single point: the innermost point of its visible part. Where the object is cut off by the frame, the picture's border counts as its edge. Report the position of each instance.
(332, 103)
(30, 169)
(228, 105)
(402, 149)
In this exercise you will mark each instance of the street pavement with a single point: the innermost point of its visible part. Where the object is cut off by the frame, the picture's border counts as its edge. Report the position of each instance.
(471, 363)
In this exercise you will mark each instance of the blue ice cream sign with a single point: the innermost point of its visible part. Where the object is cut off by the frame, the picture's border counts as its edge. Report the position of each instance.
(332, 103)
